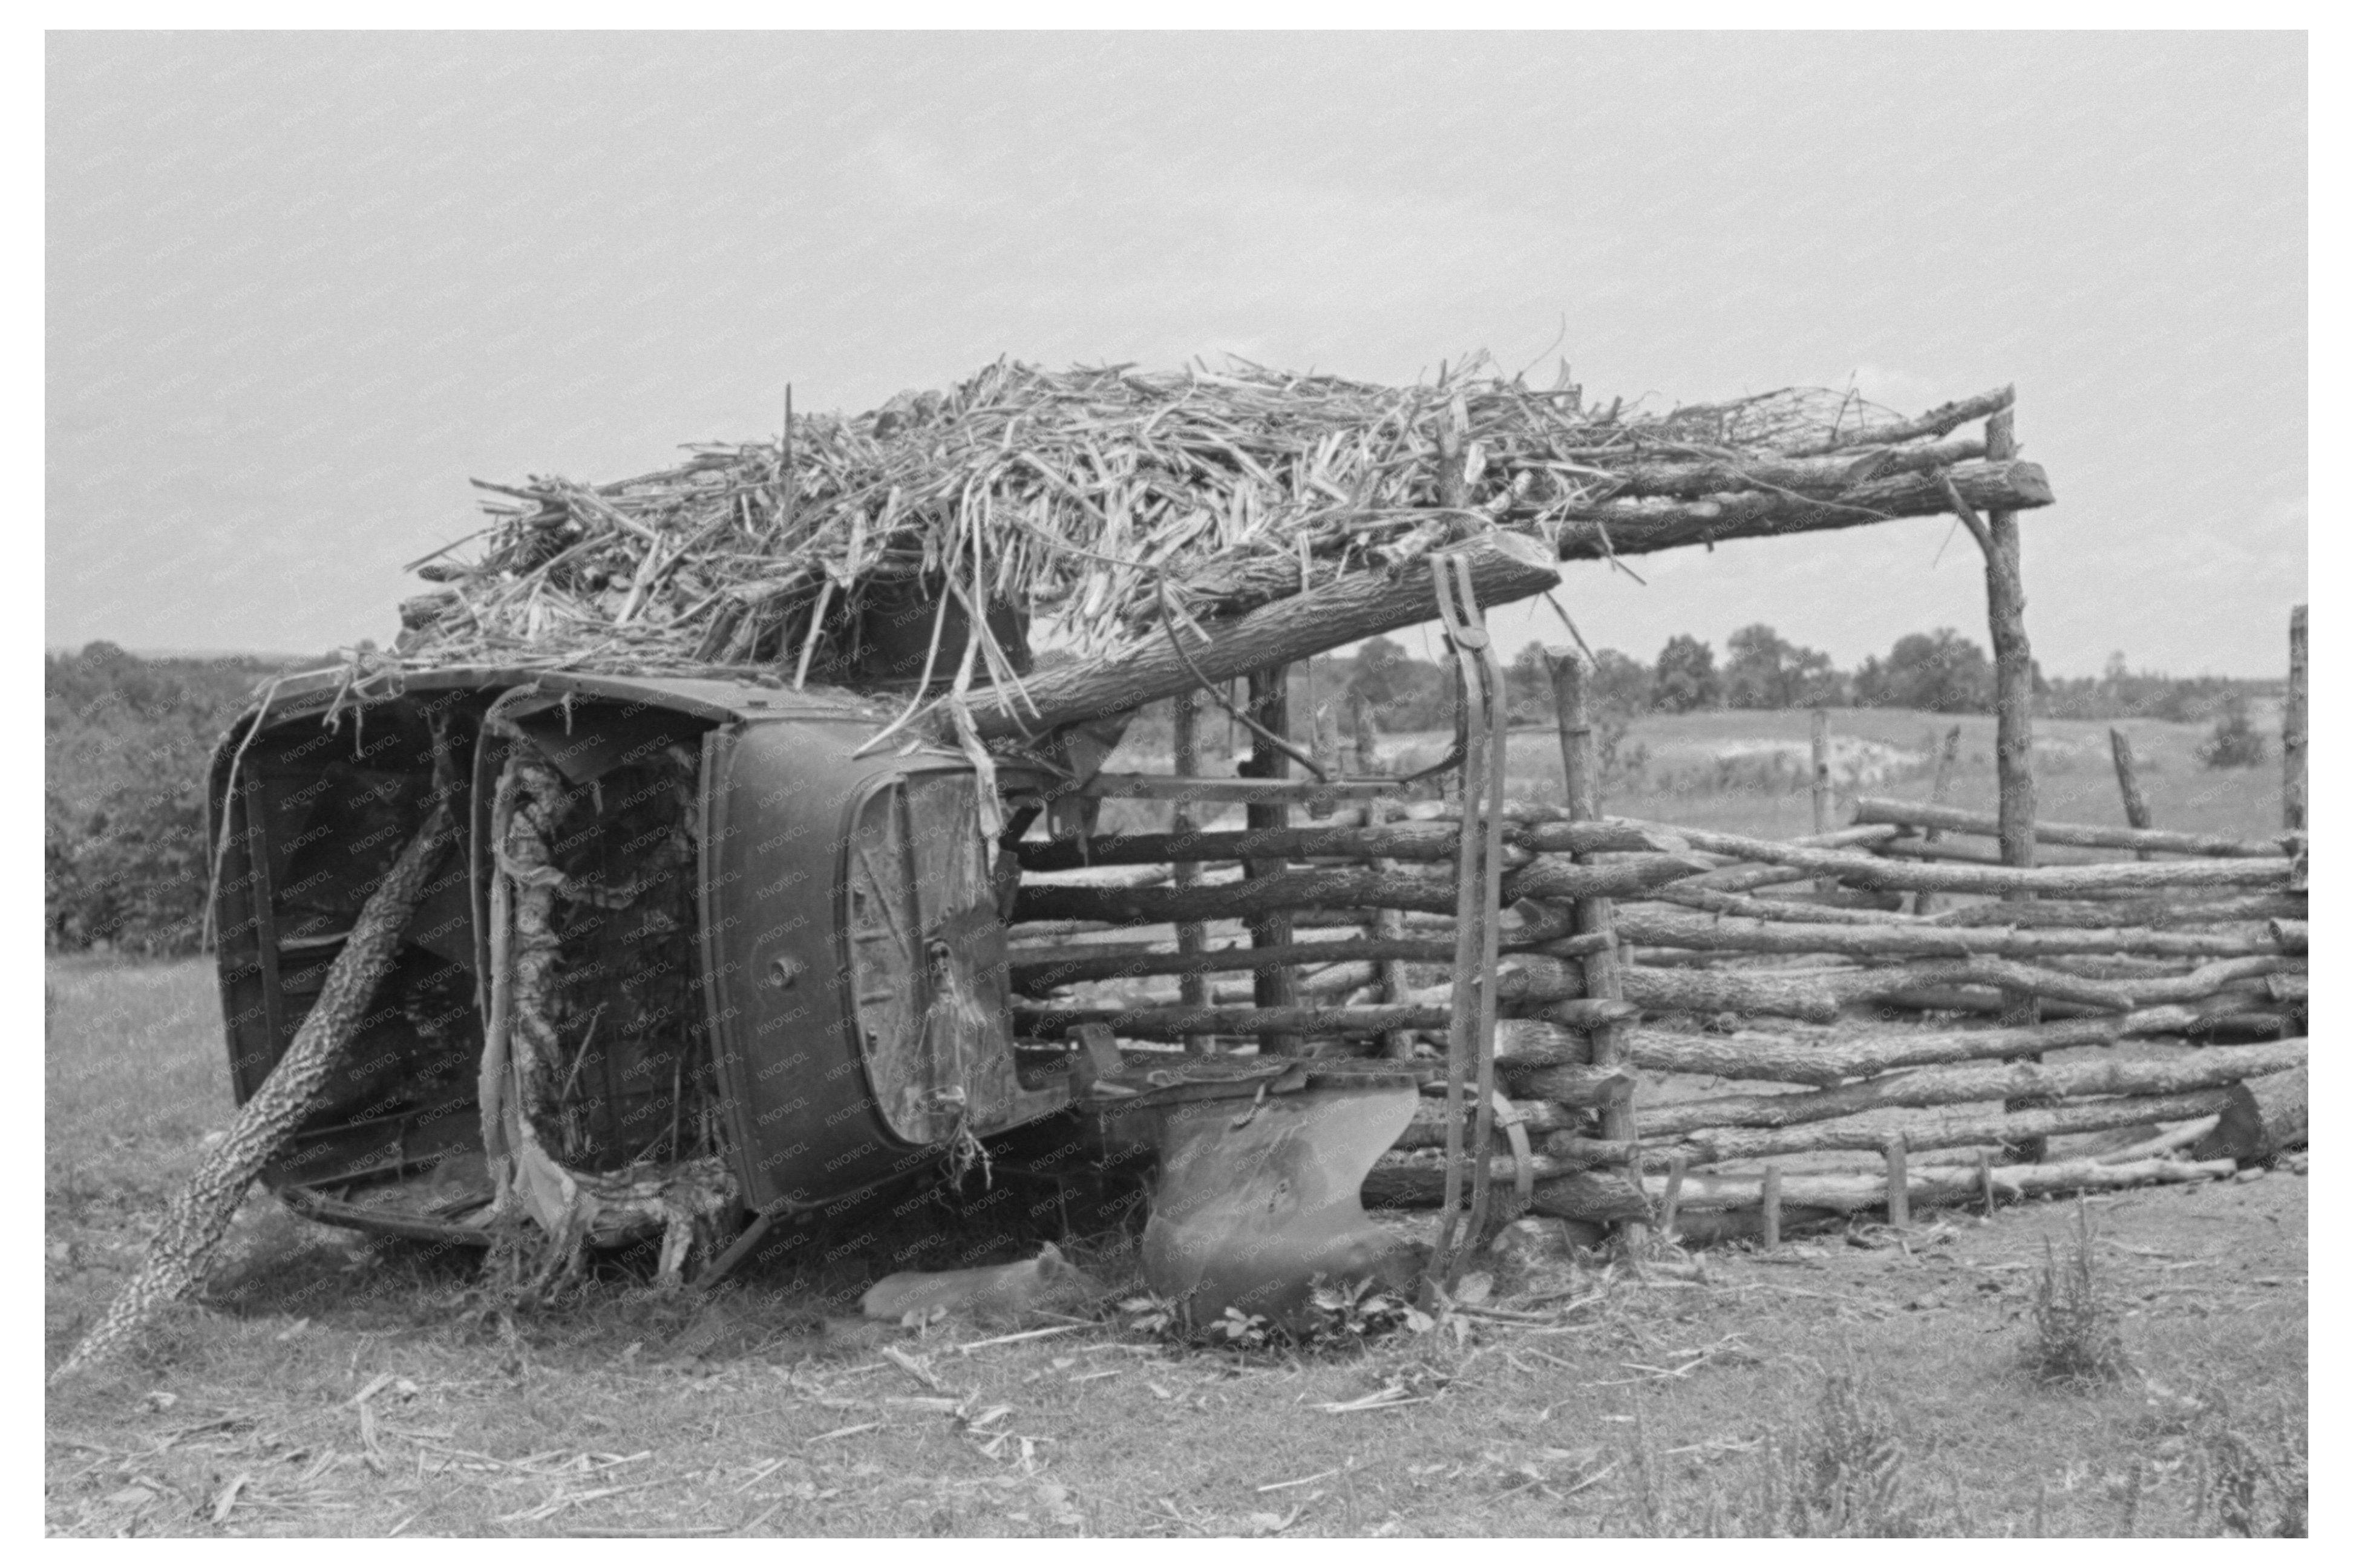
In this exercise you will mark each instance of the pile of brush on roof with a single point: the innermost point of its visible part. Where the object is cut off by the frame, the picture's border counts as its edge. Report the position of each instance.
(857, 550)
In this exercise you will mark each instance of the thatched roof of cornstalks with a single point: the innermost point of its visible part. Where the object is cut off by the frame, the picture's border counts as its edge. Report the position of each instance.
(1102, 501)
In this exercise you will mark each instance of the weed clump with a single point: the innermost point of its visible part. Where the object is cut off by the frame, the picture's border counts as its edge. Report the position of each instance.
(2076, 1340)
(1849, 1476)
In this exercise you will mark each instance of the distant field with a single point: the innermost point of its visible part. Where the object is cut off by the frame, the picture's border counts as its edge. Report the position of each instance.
(1748, 770)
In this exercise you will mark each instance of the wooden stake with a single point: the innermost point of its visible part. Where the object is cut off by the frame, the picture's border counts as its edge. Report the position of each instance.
(1581, 777)
(1985, 1179)
(1899, 1181)
(2293, 814)
(1676, 1166)
(1821, 770)
(1772, 1207)
(2013, 681)
(1192, 936)
(1270, 704)
(2128, 783)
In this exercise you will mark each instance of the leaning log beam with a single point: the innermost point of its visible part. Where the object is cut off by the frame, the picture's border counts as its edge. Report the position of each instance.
(1505, 568)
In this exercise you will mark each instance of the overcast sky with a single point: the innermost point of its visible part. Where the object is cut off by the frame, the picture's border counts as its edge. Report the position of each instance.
(300, 287)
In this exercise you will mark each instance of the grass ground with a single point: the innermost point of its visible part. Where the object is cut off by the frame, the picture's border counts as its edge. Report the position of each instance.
(334, 1387)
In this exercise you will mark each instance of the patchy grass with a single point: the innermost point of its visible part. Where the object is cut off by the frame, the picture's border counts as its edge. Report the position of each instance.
(335, 1387)
(2075, 1338)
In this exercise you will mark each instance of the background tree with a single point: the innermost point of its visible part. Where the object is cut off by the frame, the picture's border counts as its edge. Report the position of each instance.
(1941, 671)
(1764, 670)
(1686, 676)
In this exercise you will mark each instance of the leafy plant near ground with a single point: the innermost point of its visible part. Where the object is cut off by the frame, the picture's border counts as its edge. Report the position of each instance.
(1849, 1473)
(2076, 1340)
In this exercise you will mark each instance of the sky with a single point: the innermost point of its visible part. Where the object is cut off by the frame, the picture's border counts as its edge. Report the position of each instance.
(300, 287)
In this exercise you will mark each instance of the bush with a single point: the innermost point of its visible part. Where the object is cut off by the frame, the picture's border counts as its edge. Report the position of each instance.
(2234, 742)
(2076, 1342)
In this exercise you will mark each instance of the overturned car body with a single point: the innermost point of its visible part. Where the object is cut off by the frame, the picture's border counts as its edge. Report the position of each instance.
(697, 964)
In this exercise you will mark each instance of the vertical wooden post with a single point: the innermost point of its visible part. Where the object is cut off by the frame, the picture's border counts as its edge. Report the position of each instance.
(1192, 936)
(1821, 770)
(2013, 662)
(2293, 815)
(1677, 1165)
(1581, 772)
(1270, 704)
(1985, 1181)
(2128, 784)
(1899, 1181)
(1941, 785)
(1772, 1207)
(1388, 924)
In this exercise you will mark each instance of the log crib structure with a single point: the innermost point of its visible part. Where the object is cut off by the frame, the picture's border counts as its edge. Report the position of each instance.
(1619, 1023)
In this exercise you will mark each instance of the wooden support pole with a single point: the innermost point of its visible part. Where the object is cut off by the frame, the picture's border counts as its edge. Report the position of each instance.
(1985, 1179)
(1771, 1205)
(2013, 680)
(2293, 737)
(1270, 704)
(1581, 776)
(1899, 1181)
(1192, 936)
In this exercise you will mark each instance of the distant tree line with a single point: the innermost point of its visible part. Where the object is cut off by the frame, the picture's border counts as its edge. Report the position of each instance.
(128, 743)
(1939, 671)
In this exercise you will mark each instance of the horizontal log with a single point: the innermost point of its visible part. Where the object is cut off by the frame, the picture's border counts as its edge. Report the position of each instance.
(1589, 1087)
(1540, 1117)
(1240, 791)
(2242, 1004)
(2206, 1069)
(1424, 841)
(1034, 1021)
(2091, 836)
(1717, 901)
(1929, 1185)
(1870, 985)
(1819, 475)
(1641, 525)
(1717, 990)
(2160, 911)
(1866, 872)
(1562, 1191)
(1076, 963)
(2291, 934)
(1503, 568)
(1548, 877)
(1718, 1145)
(2265, 1116)
(1663, 929)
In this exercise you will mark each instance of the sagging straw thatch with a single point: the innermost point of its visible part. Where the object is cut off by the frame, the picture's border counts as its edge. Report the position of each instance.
(1096, 499)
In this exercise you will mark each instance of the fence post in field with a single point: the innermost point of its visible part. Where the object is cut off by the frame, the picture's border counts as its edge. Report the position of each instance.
(2292, 726)
(1821, 770)
(2128, 784)
(1270, 704)
(1940, 786)
(1582, 777)
(1192, 936)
